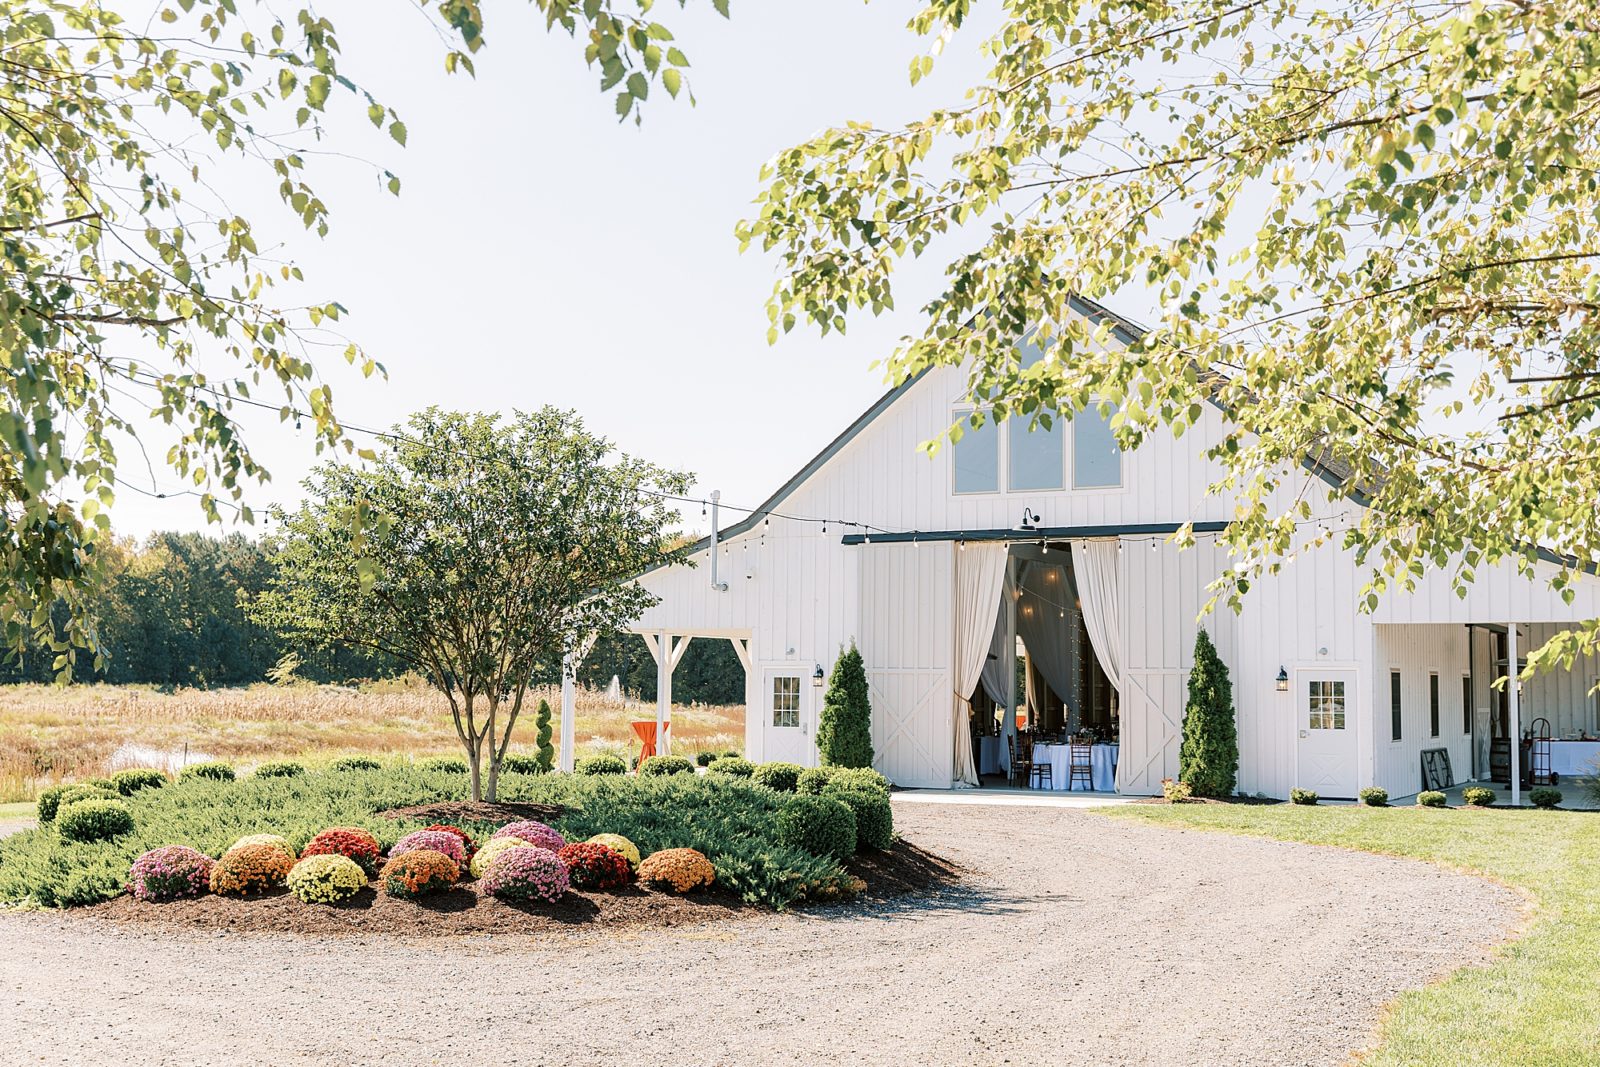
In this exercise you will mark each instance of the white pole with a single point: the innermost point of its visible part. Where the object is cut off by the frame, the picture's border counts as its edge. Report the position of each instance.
(1516, 714)
(663, 691)
(1011, 644)
(569, 702)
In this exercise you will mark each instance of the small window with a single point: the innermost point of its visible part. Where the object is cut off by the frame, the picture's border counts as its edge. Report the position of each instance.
(1433, 705)
(1036, 461)
(1325, 706)
(1096, 459)
(1395, 714)
(976, 457)
(1466, 704)
(786, 700)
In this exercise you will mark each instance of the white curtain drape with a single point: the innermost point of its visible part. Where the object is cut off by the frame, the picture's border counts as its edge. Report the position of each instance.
(1097, 566)
(980, 580)
(1042, 622)
(998, 672)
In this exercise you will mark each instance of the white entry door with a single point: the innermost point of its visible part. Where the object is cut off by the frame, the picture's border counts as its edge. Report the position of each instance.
(787, 724)
(1325, 731)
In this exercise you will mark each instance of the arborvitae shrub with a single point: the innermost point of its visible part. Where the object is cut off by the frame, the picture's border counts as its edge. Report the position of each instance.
(844, 732)
(1209, 757)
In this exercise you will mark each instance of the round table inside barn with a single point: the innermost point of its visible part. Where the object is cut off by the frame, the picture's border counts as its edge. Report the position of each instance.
(1102, 766)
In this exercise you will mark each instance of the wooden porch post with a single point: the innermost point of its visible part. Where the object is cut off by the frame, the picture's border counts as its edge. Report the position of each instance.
(569, 704)
(1513, 705)
(663, 689)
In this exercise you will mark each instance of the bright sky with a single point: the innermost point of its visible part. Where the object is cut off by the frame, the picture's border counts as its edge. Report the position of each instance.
(540, 253)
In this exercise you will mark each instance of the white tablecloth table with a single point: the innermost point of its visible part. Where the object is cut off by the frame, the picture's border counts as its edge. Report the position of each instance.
(992, 755)
(1102, 766)
(1574, 758)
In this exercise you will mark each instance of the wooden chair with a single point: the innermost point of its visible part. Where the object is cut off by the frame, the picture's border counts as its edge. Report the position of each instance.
(1021, 766)
(1039, 777)
(1080, 767)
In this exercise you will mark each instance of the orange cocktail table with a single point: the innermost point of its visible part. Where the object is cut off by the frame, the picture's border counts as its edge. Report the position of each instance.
(646, 731)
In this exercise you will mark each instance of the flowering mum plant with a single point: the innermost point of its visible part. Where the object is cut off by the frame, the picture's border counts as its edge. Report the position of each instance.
(629, 850)
(433, 840)
(487, 854)
(326, 879)
(351, 842)
(534, 833)
(416, 874)
(466, 838)
(246, 870)
(169, 873)
(592, 866)
(527, 874)
(277, 841)
(677, 869)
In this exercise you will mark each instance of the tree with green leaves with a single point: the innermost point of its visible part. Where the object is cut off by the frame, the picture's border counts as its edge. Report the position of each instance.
(502, 545)
(541, 724)
(1367, 231)
(132, 292)
(1208, 761)
(844, 729)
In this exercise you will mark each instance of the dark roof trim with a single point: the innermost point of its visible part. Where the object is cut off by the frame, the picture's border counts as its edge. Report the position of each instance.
(1042, 533)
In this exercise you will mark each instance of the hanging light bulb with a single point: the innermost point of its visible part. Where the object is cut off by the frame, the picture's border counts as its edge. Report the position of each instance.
(1152, 544)
(961, 545)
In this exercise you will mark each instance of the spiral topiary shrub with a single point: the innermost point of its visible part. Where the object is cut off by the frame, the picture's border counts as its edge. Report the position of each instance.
(604, 763)
(732, 766)
(859, 777)
(813, 780)
(782, 777)
(468, 845)
(659, 766)
(1303, 796)
(821, 825)
(678, 870)
(353, 843)
(326, 879)
(133, 779)
(169, 873)
(444, 764)
(1478, 796)
(1430, 798)
(487, 854)
(276, 841)
(592, 866)
(1545, 797)
(94, 820)
(527, 874)
(355, 763)
(616, 842)
(283, 768)
(52, 800)
(874, 817)
(215, 771)
(417, 874)
(1374, 797)
(534, 833)
(435, 841)
(250, 870)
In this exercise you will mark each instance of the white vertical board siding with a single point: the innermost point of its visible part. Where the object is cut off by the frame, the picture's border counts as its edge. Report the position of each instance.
(1418, 652)
(1562, 696)
(905, 643)
(1498, 595)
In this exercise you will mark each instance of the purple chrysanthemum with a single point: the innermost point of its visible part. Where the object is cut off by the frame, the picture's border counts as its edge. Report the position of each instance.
(169, 873)
(434, 840)
(534, 833)
(526, 874)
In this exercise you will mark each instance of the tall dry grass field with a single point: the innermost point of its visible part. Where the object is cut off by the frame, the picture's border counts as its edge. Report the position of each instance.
(48, 734)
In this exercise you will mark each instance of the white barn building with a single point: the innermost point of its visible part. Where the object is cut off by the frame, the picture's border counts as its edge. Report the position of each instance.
(1058, 538)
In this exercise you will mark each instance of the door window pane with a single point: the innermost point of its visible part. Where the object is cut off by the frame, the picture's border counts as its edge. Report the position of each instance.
(1036, 460)
(1096, 459)
(786, 700)
(976, 457)
(1325, 705)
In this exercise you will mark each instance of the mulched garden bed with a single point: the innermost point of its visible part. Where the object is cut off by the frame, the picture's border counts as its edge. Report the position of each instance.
(456, 811)
(903, 870)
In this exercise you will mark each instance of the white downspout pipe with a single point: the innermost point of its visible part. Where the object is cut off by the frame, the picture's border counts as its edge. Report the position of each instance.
(719, 586)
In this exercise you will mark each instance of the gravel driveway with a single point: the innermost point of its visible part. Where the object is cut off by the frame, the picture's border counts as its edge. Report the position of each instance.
(1080, 940)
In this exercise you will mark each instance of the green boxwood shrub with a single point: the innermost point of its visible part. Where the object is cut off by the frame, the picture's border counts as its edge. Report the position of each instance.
(94, 820)
(100, 783)
(355, 763)
(1478, 796)
(1544, 796)
(733, 766)
(822, 825)
(783, 777)
(1374, 797)
(215, 771)
(1430, 798)
(283, 768)
(862, 777)
(604, 763)
(518, 764)
(1303, 796)
(704, 758)
(874, 816)
(130, 781)
(52, 799)
(657, 766)
(444, 765)
(813, 780)
(77, 794)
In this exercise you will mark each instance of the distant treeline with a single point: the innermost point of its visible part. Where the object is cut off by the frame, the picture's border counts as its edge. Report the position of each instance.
(173, 615)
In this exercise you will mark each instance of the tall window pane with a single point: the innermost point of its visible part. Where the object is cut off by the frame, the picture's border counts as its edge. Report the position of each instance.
(976, 458)
(1433, 705)
(1396, 712)
(1096, 460)
(1036, 460)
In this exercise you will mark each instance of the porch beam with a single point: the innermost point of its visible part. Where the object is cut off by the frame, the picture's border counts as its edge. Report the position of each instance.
(1043, 533)
(741, 648)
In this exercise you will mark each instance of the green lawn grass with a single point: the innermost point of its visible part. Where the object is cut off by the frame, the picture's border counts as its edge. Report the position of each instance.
(1537, 1004)
(23, 810)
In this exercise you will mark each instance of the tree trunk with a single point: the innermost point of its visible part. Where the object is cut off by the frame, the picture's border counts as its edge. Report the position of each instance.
(494, 779)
